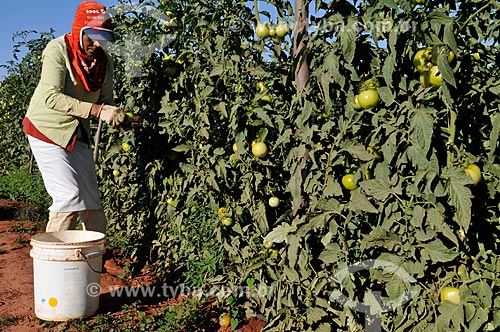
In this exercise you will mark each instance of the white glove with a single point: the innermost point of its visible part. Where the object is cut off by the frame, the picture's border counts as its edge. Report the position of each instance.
(111, 115)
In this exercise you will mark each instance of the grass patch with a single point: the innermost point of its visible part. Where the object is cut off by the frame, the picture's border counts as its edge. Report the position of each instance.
(8, 321)
(19, 184)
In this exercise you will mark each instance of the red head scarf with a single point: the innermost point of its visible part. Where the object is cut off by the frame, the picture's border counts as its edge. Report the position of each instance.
(91, 71)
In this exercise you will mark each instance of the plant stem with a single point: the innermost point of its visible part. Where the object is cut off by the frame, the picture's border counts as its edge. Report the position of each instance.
(256, 5)
(451, 140)
(475, 14)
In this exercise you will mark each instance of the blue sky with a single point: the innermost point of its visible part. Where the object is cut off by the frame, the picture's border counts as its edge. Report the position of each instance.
(39, 15)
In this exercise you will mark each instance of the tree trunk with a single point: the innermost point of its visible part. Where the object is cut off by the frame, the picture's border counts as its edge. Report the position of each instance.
(299, 39)
(301, 81)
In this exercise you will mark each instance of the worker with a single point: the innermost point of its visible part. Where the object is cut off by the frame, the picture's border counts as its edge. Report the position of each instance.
(76, 84)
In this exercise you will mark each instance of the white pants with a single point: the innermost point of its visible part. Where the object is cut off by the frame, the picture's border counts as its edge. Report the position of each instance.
(70, 179)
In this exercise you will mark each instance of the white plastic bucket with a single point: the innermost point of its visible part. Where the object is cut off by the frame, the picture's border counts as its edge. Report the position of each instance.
(66, 271)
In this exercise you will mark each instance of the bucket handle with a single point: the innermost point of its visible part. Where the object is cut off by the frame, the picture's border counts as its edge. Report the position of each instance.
(79, 253)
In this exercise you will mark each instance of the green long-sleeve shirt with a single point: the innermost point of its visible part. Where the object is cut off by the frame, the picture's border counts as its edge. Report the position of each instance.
(60, 102)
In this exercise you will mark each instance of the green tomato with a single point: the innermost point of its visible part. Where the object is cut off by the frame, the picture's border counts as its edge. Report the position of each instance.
(355, 104)
(125, 146)
(422, 58)
(474, 172)
(274, 202)
(376, 152)
(435, 77)
(368, 98)
(227, 221)
(262, 31)
(259, 149)
(234, 158)
(266, 98)
(348, 182)
(450, 294)
(281, 30)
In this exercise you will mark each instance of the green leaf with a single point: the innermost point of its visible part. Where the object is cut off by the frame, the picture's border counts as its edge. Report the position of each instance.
(445, 69)
(386, 95)
(292, 251)
(436, 251)
(435, 220)
(262, 114)
(477, 322)
(206, 91)
(359, 151)
(380, 237)
(460, 197)
(332, 205)
(421, 128)
(332, 188)
(331, 254)
(495, 89)
(221, 108)
(217, 70)
(388, 69)
(484, 293)
(324, 327)
(449, 36)
(183, 148)
(280, 233)
(291, 274)
(315, 314)
(259, 215)
(417, 217)
(451, 317)
(359, 202)
(377, 189)
(439, 16)
(295, 188)
(390, 3)
(417, 157)
(494, 134)
(347, 40)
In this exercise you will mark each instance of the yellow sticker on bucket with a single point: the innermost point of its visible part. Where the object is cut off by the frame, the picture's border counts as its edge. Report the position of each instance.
(53, 302)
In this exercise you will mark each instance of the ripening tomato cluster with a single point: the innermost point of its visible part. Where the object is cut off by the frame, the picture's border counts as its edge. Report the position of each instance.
(425, 62)
(225, 217)
(276, 31)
